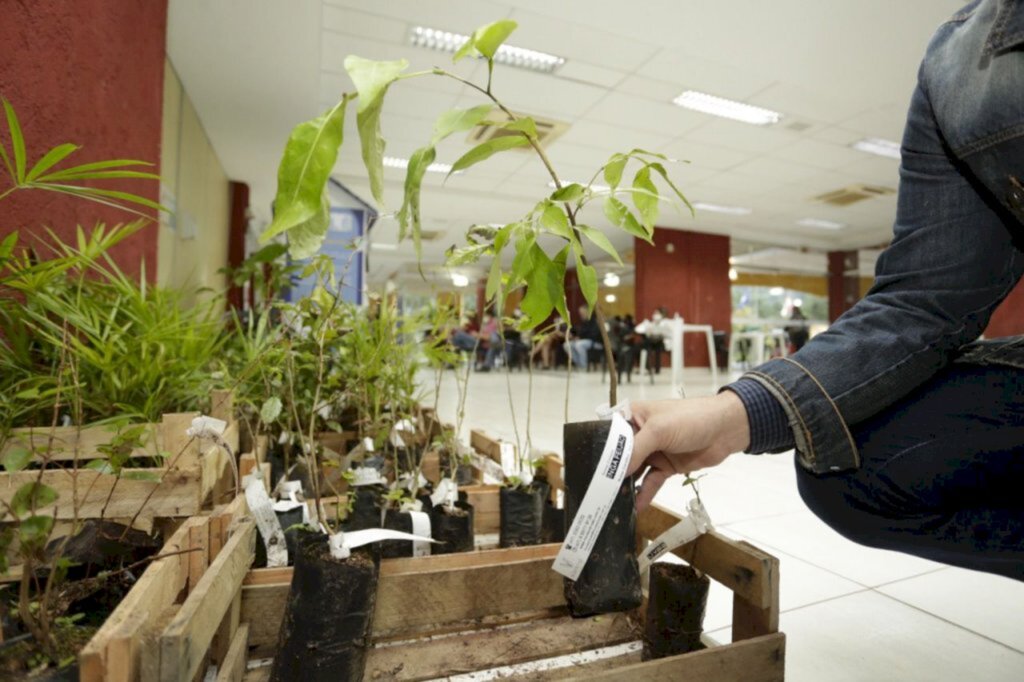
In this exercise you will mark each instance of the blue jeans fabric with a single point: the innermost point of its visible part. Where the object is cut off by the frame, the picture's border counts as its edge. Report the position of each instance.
(941, 473)
(956, 251)
(579, 349)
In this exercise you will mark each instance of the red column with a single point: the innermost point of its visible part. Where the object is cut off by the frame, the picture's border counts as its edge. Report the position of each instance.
(88, 72)
(238, 223)
(1008, 319)
(843, 282)
(688, 273)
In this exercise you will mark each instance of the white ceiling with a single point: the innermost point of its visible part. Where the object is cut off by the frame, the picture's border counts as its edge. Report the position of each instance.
(844, 68)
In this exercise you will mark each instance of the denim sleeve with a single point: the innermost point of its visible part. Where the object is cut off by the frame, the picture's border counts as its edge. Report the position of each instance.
(769, 427)
(951, 262)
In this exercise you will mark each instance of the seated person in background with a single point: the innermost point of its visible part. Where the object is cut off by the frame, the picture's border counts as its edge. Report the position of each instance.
(655, 331)
(462, 338)
(547, 343)
(798, 333)
(511, 348)
(583, 337)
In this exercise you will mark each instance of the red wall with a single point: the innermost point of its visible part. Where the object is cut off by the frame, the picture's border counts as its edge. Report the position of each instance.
(692, 280)
(88, 72)
(1008, 319)
(843, 289)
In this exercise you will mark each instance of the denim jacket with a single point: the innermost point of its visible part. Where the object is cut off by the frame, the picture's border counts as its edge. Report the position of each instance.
(956, 251)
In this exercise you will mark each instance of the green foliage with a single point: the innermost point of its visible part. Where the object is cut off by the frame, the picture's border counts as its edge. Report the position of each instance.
(16, 458)
(32, 496)
(486, 150)
(486, 40)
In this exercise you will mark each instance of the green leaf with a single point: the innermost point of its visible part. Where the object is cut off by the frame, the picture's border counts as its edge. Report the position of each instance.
(643, 152)
(525, 125)
(100, 465)
(586, 275)
(372, 79)
(543, 287)
(553, 219)
(49, 160)
(86, 169)
(600, 240)
(271, 409)
(486, 150)
(141, 475)
(493, 279)
(16, 458)
(458, 120)
(27, 394)
(620, 216)
(17, 143)
(31, 496)
(646, 205)
(613, 169)
(305, 238)
(7, 246)
(664, 174)
(309, 156)
(560, 262)
(409, 215)
(522, 263)
(568, 193)
(465, 255)
(34, 531)
(268, 253)
(487, 39)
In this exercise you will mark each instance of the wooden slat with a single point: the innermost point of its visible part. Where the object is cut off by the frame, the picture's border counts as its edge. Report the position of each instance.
(176, 495)
(185, 641)
(486, 507)
(430, 659)
(233, 667)
(70, 442)
(742, 568)
(752, 620)
(430, 466)
(580, 669)
(222, 406)
(553, 468)
(485, 445)
(226, 631)
(182, 449)
(113, 649)
(199, 558)
(761, 659)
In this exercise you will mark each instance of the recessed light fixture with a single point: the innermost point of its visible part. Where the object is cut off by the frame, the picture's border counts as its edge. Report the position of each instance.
(717, 208)
(396, 162)
(727, 108)
(733, 275)
(610, 298)
(878, 146)
(611, 280)
(823, 224)
(521, 57)
(382, 246)
(460, 280)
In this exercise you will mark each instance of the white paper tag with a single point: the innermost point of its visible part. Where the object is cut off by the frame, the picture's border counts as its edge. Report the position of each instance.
(420, 528)
(606, 412)
(206, 427)
(560, 498)
(341, 543)
(687, 530)
(406, 425)
(445, 493)
(508, 458)
(367, 476)
(289, 490)
(598, 500)
(368, 444)
(262, 510)
(411, 506)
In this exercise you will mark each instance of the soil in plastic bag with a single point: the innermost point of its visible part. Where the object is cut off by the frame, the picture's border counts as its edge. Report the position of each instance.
(554, 523)
(463, 472)
(287, 520)
(325, 635)
(675, 610)
(365, 508)
(453, 531)
(610, 580)
(397, 520)
(522, 515)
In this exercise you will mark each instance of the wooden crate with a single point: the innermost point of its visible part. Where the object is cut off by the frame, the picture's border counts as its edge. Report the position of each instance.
(194, 475)
(183, 613)
(507, 609)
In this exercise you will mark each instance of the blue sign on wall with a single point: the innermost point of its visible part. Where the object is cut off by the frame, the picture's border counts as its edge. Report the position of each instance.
(344, 233)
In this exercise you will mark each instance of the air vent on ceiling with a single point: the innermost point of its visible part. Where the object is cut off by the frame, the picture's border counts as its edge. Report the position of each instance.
(547, 130)
(430, 235)
(853, 194)
(799, 126)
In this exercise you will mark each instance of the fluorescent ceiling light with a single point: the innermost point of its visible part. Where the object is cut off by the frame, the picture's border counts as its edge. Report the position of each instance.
(716, 208)
(726, 108)
(823, 224)
(460, 280)
(381, 246)
(444, 41)
(611, 280)
(878, 146)
(610, 298)
(396, 162)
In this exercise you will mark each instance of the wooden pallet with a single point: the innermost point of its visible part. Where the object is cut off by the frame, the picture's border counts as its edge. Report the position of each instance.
(451, 614)
(198, 475)
(183, 613)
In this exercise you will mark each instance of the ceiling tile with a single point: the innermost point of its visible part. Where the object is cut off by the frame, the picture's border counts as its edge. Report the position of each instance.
(796, 102)
(743, 137)
(817, 154)
(704, 156)
(576, 70)
(648, 88)
(611, 138)
(459, 16)
(707, 76)
(886, 123)
(666, 119)
(355, 23)
(777, 169)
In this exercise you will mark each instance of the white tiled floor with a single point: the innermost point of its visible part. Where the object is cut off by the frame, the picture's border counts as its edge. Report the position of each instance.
(849, 612)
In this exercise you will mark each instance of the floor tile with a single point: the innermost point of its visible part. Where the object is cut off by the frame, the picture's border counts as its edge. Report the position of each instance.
(988, 604)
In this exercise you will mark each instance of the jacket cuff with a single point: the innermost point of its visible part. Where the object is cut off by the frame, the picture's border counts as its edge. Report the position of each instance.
(820, 435)
(769, 426)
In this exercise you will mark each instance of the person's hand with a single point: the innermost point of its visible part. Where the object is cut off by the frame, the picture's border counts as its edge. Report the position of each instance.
(682, 436)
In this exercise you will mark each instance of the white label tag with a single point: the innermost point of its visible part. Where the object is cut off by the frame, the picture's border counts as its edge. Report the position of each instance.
(687, 530)
(341, 543)
(446, 493)
(262, 510)
(508, 458)
(206, 427)
(420, 528)
(598, 500)
(368, 444)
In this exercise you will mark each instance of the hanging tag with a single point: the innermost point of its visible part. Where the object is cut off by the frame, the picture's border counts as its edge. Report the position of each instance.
(688, 529)
(445, 493)
(262, 510)
(560, 498)
(598, 500)
(206, 427)
(411, 506)
(342, 543)
(290, 490)
(420, 528)
(507, 452)
(368, 444)
(367, 476)
(606, 412)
